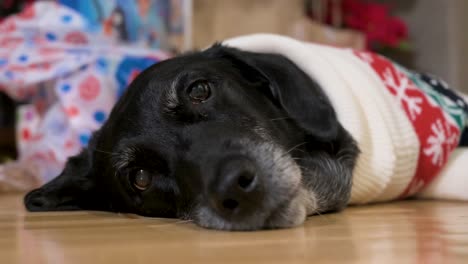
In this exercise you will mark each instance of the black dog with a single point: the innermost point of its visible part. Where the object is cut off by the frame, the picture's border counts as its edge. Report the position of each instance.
(231, 139)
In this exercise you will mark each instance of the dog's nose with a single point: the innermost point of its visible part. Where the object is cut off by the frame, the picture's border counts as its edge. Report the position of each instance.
(236, 191)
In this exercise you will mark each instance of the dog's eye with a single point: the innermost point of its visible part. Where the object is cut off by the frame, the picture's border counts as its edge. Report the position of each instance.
(142, 179)
(199, 91)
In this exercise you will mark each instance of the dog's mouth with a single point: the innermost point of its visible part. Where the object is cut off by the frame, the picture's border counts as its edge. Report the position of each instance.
(263, 191)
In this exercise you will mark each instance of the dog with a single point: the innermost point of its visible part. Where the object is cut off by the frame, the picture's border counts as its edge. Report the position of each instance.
(229, 138)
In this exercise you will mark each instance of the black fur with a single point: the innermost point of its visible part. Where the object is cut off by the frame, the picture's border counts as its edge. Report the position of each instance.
(184, 145)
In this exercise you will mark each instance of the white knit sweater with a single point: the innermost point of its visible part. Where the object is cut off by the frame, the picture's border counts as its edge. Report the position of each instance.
(367, 110)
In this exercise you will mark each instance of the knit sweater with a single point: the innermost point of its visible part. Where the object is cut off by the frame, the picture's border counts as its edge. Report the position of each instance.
(406, 124)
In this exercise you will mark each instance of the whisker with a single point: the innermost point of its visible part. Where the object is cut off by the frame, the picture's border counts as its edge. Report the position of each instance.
(183, 221)
(170, 224)
(303, 151)
(105, 152)
(192, 208)
(279, 118)
(316, 212)
(295, 147)
(304, 168)
(285, 155)
(296, 158)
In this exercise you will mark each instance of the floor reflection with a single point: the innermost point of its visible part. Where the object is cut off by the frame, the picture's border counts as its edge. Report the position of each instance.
(417, 232)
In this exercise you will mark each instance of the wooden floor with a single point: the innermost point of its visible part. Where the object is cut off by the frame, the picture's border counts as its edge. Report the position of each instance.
(405, 232)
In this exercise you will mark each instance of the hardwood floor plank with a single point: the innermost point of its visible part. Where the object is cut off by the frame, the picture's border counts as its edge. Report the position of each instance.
(402, 232)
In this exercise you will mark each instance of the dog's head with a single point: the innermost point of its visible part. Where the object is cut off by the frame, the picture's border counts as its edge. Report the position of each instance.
(231, 139)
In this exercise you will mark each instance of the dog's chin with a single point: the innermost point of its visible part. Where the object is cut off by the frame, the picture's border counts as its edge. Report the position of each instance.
(207, 218)
(288, 214)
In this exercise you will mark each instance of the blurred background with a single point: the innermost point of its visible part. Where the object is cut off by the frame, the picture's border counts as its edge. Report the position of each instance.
(425, 35)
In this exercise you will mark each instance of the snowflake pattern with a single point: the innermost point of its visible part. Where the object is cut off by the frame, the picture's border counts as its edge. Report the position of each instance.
(366, 57)
(431, 117)
(416, 185)
(401, 88)
(439, 142)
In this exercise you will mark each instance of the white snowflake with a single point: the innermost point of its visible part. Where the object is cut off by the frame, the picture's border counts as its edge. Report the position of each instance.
(452, 140)
(435, 80)
(444, 84)
(439, 142)
(366, 57)
(415, 186)
(413, 102)
(436, 142)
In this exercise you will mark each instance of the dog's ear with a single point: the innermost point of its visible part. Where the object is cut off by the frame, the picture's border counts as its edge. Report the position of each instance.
(71, 190)
(300, 96)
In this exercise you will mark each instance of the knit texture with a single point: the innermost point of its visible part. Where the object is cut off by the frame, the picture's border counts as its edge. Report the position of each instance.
(396, 123)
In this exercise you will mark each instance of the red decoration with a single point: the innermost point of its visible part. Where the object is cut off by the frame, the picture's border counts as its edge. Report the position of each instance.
(46, 51)
(7, 25)
(25, 134)
(76, 37)
(72, 111)
(27, 13)
(69, 144)
(373, 19)
(133, 75)
(89, 88)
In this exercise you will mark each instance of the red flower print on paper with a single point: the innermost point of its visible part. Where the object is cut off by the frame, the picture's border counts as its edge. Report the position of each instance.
(76, 37)
(89, 88)
(25, 134)
(27, 13)
(133, 75)
(72, 111)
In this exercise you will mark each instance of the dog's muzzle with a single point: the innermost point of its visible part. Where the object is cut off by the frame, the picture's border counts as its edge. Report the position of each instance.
(237, 180)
